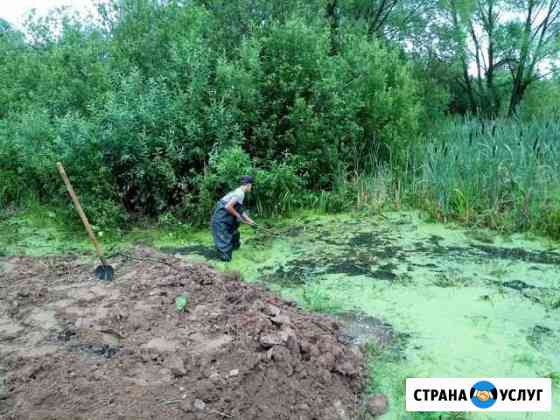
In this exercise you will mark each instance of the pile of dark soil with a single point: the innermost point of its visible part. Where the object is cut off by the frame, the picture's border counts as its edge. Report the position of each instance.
(74, 347)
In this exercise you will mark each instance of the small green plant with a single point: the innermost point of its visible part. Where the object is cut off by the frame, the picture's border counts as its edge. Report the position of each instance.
(316, 299)
(181, 303)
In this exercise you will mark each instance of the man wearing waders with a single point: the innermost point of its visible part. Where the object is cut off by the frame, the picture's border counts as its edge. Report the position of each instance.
(227, 216)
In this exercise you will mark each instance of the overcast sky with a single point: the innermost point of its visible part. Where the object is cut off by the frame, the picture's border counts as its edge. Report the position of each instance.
(14, 10)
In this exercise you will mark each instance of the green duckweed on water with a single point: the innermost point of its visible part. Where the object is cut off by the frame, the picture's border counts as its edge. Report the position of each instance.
(427, 300)
(431, 300)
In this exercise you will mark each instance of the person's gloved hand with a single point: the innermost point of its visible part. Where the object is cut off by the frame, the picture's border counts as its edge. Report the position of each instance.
(254, 226)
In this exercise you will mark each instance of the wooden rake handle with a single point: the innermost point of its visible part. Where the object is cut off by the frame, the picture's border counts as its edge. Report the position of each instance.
(80, 211)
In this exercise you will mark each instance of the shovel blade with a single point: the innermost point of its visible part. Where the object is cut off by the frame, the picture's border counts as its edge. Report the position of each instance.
(104, 272)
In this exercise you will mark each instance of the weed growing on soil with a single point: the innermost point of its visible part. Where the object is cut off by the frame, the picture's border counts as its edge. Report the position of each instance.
(373, 349)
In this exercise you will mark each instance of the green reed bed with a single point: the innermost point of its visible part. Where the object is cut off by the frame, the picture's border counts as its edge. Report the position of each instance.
(497, 174)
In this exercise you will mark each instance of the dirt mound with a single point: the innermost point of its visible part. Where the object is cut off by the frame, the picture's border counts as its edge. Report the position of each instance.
(74, 347)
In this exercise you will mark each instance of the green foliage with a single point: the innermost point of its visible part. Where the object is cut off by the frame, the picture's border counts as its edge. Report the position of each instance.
(495, 58)
(137, 144)
(226, 167)
(181, 303)
(496, 174)
(549, 216)
(159, 107)
(279, 189)
(316, 298)
(541, 102)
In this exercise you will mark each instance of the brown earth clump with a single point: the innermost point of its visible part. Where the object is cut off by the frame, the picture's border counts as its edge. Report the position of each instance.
(74, 347)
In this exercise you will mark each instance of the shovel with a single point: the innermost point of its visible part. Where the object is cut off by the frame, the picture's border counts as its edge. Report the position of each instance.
(104, 271)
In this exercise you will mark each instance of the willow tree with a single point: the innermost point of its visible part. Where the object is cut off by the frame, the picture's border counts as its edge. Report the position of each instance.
(503, 46)
(536, 45)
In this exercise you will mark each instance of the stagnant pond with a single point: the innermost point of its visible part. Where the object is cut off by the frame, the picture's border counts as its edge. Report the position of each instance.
(432, 300)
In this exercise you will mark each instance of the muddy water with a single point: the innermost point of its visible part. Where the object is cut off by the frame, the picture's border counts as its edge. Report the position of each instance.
(432, 300)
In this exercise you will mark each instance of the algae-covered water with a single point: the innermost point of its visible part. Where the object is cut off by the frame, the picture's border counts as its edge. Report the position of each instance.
(432, 300)
(429, 300)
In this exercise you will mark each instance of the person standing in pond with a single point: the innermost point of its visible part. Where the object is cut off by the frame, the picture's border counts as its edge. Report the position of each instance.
(226, 218)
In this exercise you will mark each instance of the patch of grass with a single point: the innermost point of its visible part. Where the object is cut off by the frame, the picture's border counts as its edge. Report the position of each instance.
(41, 231)
(497, 269)
(373, 350)
(316, 299)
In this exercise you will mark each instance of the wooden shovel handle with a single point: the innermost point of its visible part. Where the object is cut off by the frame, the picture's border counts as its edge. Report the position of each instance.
(80, 211)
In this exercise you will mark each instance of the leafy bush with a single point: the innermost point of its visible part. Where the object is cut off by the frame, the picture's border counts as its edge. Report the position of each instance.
(154, 109)
(541, 102)
(27, 156)
(226, 167)
(279, 189)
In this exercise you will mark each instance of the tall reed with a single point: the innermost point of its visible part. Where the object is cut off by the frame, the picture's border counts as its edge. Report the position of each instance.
(499, 174)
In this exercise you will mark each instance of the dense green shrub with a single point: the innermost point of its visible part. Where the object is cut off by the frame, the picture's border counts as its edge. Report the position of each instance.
(154, 109)
(159, 107)
(225, 168)
(288, 94)
(279, 189)
(542, 101)
(27, 151)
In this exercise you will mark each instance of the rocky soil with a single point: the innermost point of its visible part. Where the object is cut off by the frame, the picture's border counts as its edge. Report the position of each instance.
(74, 347)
